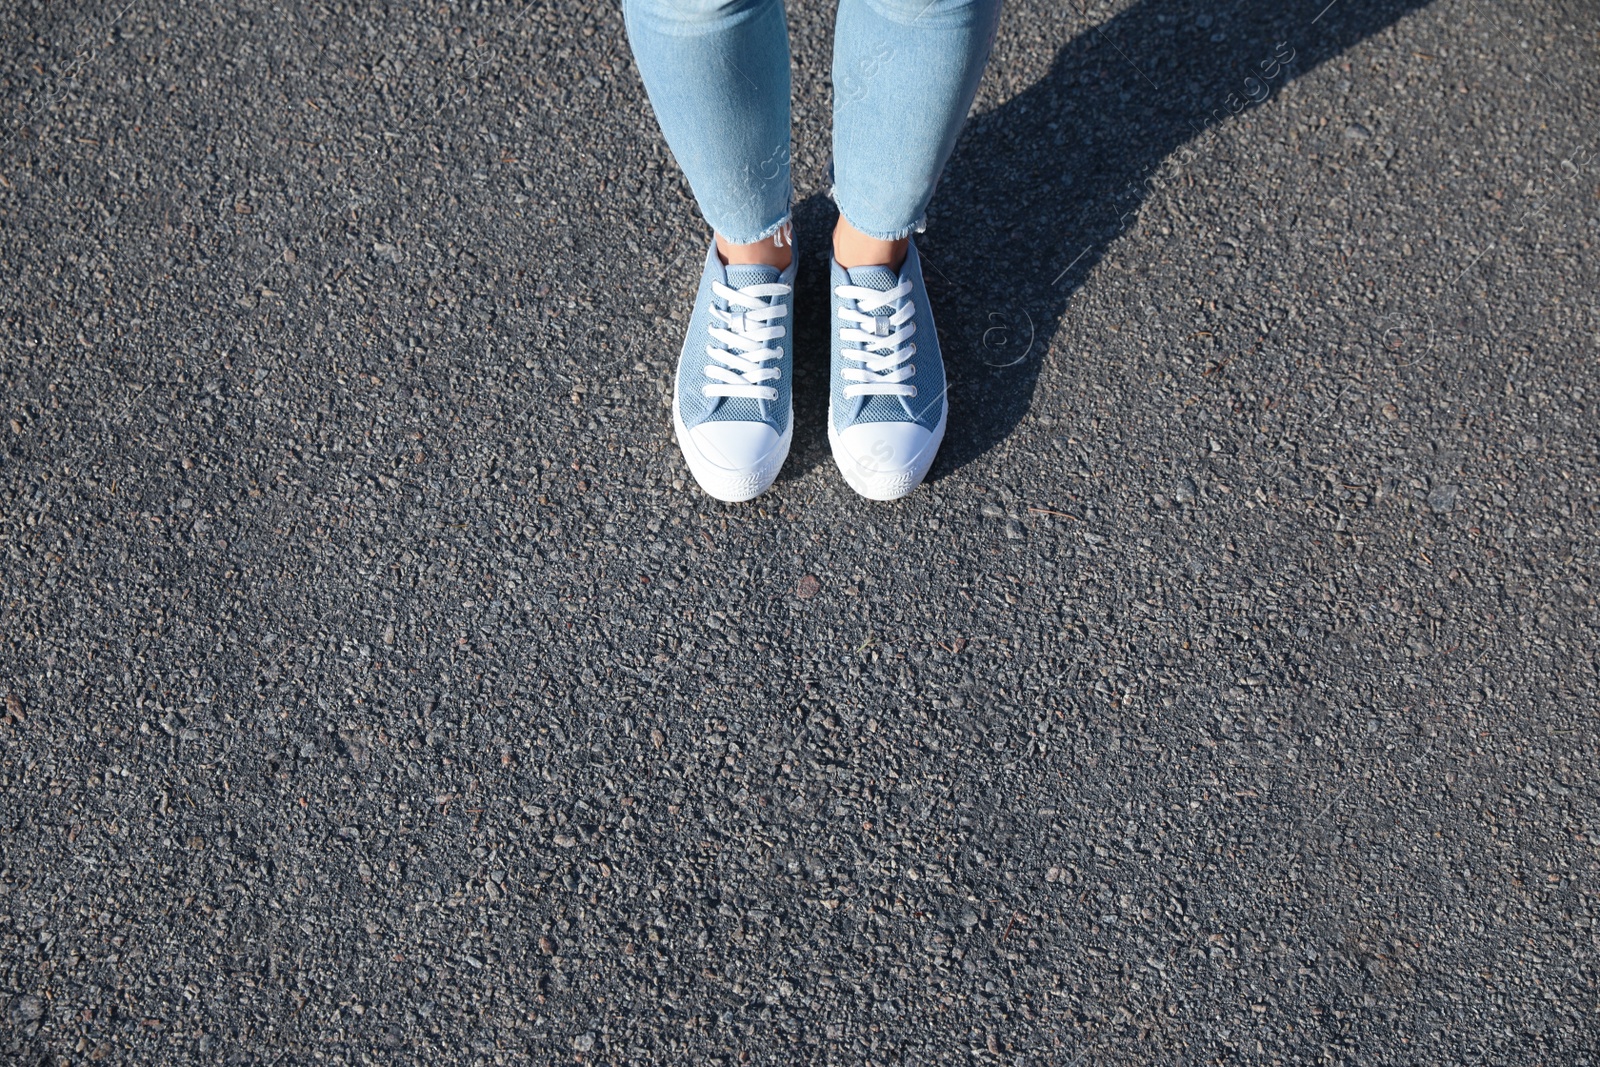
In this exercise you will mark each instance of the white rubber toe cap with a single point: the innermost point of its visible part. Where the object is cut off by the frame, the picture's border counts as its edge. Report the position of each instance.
(733, 461)
(734, 446)
(885, 460)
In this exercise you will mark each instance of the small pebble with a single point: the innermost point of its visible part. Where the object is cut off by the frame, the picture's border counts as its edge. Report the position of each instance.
(28, 1009)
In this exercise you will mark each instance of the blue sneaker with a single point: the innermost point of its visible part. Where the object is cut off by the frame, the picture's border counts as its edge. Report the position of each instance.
(730, 405)
(886, 413)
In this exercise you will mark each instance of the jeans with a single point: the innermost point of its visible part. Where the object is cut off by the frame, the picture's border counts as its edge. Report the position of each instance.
(904, 75)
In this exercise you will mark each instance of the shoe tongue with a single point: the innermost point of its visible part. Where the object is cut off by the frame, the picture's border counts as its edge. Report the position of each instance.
(741, 275)
(880, 278)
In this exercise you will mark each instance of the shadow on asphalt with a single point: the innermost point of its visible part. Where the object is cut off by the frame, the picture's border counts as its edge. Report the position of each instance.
(1065, 167)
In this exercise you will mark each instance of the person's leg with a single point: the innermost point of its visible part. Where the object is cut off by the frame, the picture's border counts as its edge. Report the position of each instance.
(904, 75)
(717, 73)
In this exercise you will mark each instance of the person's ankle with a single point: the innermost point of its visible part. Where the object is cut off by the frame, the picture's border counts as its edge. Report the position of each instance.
(852, 248)
(775, 251)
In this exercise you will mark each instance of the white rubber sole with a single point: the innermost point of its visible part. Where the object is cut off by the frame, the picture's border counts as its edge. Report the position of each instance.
(720, 483)
(892, 484)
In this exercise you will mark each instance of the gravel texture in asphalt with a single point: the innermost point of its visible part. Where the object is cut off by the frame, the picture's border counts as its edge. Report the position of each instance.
(378, 688)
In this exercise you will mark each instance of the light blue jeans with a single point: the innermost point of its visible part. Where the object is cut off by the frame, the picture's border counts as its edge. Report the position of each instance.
(904, 75)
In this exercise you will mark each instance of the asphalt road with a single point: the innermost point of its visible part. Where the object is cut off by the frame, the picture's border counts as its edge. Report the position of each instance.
(379, 689)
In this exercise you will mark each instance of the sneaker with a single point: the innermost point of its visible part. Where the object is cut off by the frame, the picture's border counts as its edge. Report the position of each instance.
(730, 405)
(886, 413)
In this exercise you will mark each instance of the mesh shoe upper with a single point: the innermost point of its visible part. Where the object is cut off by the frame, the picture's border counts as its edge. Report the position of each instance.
(694, 407)
(926, 408)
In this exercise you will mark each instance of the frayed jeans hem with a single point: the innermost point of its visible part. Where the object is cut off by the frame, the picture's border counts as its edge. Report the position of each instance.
(878, 235)
(788, 217)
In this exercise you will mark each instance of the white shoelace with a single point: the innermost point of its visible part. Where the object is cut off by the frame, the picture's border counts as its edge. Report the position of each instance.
(882, 340)
(743, 333)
